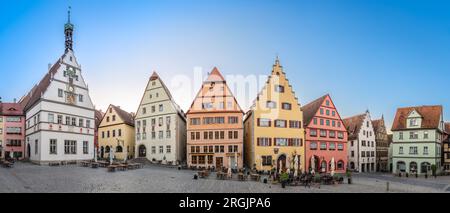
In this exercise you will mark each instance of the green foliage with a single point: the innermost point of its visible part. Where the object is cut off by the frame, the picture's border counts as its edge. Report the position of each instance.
(284, 177)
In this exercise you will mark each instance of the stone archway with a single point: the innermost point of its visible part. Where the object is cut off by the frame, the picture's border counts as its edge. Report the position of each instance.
(281, 163)
(142, 152)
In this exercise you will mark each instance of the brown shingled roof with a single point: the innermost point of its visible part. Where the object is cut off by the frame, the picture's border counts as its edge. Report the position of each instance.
(431, 115)
(310, 110)
(353, 125)
(125, 116)
(377, 124)
(11, 109)
(447, 127)
(98, 117)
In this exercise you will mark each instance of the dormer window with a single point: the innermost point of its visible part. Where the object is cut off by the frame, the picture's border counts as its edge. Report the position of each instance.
(413, 122)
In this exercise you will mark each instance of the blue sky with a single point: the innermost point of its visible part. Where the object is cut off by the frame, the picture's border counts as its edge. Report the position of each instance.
(368, 54)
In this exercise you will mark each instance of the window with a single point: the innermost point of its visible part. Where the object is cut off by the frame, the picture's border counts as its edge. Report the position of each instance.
(85, 148)
(51, 118)
(340, 135)
(153, 109)
(340, 147)
(168, 149)
(295, 124)
(328, 122)
(321, 111)
(333, 113)
(74, 121)
(144, 110)
(154, 149)
(120, 132)
(279, 88)
(195, 121)
(88, 123)
(413, 122)
(327, 112)
(271, 104)
(233, 120)
(332, 146)
(313, 133)
(327, 102)
(103, 134)
(194, 160)
(313, 145)
(363, 154)
(281, 141)
(323, 146)
(53, 148)
(400, 150)
(315, 121)
(161, 108)
(114, 133)
(60, 93)
(67, 120)
(60, 118)
(70, 147)
(113, 118)
(80, 98)
(160, 121)
(266, 160)
(287, 106)
(353, 154)
(400, 136)
(108, 134)
(208, 105)
(425, 135)
(323, 133)
(321, 122)
(425, 150)
(280, 123)
(264, 142)
(80, 122)
(161, 135)
(413, 135)
(332, 134)
(168, 134)
(264, 122)
(161, 149)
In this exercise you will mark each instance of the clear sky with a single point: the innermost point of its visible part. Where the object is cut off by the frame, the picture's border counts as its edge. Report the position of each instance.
(368, 54)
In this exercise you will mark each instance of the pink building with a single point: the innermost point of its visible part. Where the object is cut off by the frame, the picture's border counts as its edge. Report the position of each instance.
(13, 130)
(326, 136)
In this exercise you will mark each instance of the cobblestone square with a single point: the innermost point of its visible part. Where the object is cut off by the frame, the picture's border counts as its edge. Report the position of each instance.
(28, 178)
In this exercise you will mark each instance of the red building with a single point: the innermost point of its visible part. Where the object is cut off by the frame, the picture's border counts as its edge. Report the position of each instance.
(326, 136)
(12, 129)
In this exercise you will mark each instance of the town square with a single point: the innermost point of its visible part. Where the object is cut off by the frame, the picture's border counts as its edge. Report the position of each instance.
(169, 102)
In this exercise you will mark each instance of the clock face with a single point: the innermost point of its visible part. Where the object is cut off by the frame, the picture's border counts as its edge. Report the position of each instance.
(71, 89)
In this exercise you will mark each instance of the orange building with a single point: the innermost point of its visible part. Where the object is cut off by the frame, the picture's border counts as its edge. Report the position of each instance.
(215, 126)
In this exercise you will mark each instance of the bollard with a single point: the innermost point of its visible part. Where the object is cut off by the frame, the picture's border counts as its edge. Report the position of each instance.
(387, 186)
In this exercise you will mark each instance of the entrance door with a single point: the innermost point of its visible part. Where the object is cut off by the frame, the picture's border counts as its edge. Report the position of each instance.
(142, 151)
(281, 163)
(28, 151)
(102, 152)
(219, 162)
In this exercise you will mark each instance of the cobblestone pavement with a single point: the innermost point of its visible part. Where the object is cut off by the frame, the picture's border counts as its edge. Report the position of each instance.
(30, 178)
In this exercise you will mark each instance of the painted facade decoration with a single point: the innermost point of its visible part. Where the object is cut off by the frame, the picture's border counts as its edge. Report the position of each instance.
(12, 131)
(418, 133)
(215, 126)
(361, 144)
(160, 125)
(116, 133)
(382, 145)
(60, 115)
(274, 133)
(326, 136)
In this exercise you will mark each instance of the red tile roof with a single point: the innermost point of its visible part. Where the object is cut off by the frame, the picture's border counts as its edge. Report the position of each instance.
(447, 127)
(353, 125)
(98, 117)
(377, 124)
(310, 109)
(431, 116)
(11, 109)
(127, 118)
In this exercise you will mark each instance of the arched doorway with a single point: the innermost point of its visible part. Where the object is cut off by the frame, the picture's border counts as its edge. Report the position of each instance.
(142, 151)
(412, 167)
(102, 152)
(401, 166)
(352, 165)
(281, 163)
(340, 165)
(425, 167)
(323, 166)
(316, 163)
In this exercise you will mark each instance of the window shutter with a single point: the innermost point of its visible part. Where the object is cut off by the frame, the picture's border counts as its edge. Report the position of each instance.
(259, 122)
(270, 123)
(270, 141)
(258, 142)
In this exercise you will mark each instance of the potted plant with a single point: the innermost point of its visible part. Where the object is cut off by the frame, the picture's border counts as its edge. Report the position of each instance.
(349, 177)
(284, 177)
(433, 170)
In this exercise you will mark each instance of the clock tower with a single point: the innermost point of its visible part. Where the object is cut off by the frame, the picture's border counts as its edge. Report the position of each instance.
(68, 31)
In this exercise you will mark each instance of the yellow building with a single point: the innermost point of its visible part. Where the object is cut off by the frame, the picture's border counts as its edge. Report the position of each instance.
(116, 131)
(274, 134)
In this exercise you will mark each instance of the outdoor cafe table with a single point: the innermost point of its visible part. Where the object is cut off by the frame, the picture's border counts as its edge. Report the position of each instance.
(122, 167)
(85, 163)
(241, 176)
(94, 165)
(220, 175)
(255, 177)
(112, 168)
(7, 164)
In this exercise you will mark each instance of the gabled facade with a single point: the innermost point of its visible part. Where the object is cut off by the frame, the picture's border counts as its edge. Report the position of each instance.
(12, 131)
(418, 133)
(382, 145)
(361, 143)
(116, 132)
(160, 125)
(215, 129)
(326, 137)
(60, 123)
(446, 149)
(274, 134)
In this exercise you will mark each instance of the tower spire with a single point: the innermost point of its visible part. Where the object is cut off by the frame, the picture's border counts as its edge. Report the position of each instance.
(68, 31)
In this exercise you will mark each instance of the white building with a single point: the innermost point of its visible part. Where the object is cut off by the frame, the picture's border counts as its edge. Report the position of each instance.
(361, 143)
(160, 125)
(60, 117)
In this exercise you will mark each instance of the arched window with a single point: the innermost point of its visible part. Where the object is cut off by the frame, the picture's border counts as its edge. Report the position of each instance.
(142, 151)
(340, 165)
(401, 166)
(119, 149)
(107, 149)
(323, 166)
(413, 167)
